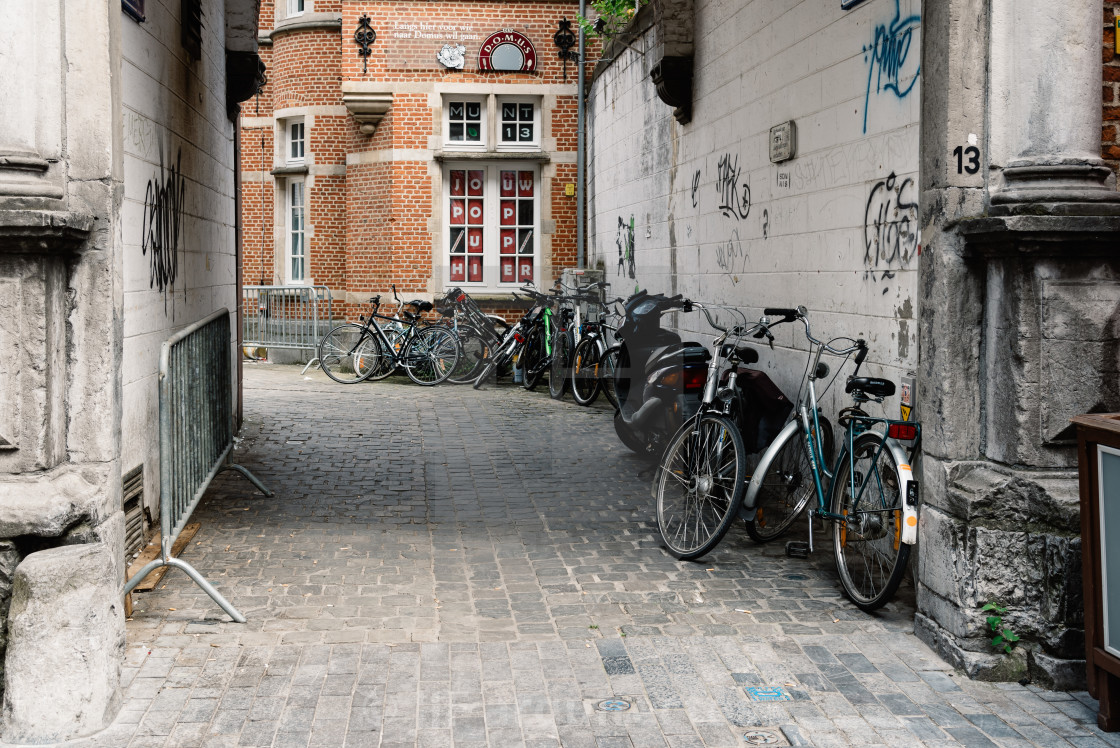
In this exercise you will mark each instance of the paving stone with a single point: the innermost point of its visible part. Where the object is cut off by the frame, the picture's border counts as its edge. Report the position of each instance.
(438, 579)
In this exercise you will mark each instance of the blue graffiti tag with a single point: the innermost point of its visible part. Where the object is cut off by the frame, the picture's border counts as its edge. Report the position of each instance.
(887, 55)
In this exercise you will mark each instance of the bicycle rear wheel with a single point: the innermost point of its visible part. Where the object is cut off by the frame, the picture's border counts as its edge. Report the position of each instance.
(585, 371)
(559, 365)
(787, 487)
(431, 356)
(699, 485)
(337, 352)
(870, 557)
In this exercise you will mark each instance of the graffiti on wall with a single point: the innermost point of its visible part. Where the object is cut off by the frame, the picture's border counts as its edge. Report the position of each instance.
(893, 62)
(163, 212)
(734, 193)
(731, 257)
(624, 240)
(890, 228)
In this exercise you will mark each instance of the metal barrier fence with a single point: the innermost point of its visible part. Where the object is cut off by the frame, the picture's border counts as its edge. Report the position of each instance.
(294, 317)
(195, 435)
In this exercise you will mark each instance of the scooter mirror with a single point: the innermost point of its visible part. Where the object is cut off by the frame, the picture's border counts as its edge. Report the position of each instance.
(802, 311)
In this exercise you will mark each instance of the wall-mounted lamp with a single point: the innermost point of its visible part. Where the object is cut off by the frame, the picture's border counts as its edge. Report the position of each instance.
(364, 37)
(565, 39)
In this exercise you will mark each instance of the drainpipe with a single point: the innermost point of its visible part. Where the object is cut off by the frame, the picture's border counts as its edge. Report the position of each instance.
(581, 167)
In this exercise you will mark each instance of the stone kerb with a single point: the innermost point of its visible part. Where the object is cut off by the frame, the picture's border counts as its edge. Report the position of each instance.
(66, 645)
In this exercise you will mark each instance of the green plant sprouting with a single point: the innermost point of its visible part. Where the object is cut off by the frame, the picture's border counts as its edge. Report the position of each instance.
(614, 15)
(1004, 638)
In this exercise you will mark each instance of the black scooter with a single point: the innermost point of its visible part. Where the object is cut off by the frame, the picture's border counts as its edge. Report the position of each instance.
(659, 379)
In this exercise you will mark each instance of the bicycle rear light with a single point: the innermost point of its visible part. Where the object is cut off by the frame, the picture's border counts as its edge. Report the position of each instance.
(694, 379)
(519, 337)
(902, 431)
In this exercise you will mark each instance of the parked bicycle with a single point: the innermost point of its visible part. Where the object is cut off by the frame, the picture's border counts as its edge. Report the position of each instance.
(592, 369)
(869, 496)
(352, 353)
(476, 331)
(701, 477)
(511, 348)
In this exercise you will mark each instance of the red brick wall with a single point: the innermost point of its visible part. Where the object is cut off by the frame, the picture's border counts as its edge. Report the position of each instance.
(1110, 125)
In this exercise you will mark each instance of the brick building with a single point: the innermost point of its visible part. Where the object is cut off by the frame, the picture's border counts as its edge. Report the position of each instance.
(445, 156)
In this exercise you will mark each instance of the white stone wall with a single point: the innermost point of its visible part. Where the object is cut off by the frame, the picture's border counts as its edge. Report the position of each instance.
(178, 164)
(835, 228)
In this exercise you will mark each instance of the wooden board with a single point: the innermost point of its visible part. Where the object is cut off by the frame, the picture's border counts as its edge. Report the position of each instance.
(151, 553)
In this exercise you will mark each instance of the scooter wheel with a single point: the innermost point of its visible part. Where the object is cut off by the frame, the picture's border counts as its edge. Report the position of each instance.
(631, 439)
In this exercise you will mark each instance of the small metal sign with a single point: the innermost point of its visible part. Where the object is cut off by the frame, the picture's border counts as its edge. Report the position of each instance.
(764, 693)
(783, 179)
(781, 142)
(906, 397)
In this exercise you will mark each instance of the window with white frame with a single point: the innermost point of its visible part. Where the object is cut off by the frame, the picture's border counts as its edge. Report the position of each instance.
(295, 141)
(295, 244)
(520, 123)
(295, 7)
(465, 120)
(492, 212)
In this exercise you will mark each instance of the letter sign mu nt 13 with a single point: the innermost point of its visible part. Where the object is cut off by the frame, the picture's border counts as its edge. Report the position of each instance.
(507, 51)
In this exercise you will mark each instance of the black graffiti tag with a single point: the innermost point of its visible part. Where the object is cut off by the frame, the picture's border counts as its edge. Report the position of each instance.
(734, 196)
(695, 188)
(163, 211)
(624, 240)
(890, 236)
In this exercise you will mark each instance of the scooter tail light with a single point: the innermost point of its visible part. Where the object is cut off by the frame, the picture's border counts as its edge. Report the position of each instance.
(695, 379)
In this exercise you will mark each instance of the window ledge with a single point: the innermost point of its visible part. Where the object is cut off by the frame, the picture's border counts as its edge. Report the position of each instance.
(492, 156)
(288, 171)
(305, 22)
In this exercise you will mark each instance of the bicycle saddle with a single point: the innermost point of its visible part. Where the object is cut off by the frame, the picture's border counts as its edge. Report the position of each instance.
(870, 385)
(421, 306)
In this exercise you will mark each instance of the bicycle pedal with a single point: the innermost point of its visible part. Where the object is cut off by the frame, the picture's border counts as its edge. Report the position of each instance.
(797, 549)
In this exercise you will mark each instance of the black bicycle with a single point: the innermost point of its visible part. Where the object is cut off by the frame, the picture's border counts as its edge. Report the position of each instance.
(353, 353)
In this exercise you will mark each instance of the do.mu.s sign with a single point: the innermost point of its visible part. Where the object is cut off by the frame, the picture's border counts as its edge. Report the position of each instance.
(507, 51)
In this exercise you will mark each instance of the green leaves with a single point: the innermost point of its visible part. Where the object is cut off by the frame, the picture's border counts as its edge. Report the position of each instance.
(614, 14)
(1004, 637)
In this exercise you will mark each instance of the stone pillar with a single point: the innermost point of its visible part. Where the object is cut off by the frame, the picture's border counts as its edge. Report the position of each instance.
(1019, 324)
(1045, 113)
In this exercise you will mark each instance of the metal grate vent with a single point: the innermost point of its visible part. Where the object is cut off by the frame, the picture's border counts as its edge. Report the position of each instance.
(191, 18)
(133, 505)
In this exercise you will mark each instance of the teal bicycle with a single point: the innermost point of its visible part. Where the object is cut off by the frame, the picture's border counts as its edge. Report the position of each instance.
(870, 496)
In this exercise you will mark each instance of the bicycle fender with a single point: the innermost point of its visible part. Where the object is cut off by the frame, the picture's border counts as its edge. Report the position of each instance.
(909, 504)
(747, 509)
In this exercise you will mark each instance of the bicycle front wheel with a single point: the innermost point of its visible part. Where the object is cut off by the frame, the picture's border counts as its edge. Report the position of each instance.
(532, 358)
(699, 485)
(787, 486)
(472, 355)
(585, 371)
(608, 366)
(870, 557)
(431, 356)
(338, 349)
(558, 367)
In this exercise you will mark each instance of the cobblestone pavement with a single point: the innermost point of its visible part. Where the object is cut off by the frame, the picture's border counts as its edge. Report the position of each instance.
(445, 567)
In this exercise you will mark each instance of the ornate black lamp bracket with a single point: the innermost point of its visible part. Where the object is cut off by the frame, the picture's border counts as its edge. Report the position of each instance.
(364, 37)
(565, 39)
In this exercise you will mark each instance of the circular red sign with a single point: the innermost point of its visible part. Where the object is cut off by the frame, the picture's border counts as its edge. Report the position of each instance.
(507, 51)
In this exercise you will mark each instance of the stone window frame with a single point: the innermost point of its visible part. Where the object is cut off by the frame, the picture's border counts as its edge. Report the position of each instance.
(295, 8)
(288, 276)
(505, 145)
(491, 222)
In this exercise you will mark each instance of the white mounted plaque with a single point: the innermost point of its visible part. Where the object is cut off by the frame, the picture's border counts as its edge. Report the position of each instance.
(781, 142)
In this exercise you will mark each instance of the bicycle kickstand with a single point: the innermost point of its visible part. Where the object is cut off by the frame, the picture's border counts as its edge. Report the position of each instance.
(800, 548)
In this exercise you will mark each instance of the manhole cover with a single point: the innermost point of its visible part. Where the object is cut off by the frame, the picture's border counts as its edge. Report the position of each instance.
(761, 737)
(613, 705)
(763, 693)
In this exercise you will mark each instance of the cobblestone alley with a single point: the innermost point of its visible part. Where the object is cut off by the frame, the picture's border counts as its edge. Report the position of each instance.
(445, 567)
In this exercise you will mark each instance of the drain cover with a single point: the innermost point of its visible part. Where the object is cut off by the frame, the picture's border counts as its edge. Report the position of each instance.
(761, 737)
(613, 705)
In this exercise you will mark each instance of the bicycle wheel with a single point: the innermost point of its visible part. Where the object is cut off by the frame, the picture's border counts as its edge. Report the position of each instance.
(585, 371)
(699, 485)
(472, 355)
(431, 356)
(786, 487)
(558, 367)
(337, 353)
(870, 557)
(532, 358)
(608, 366)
